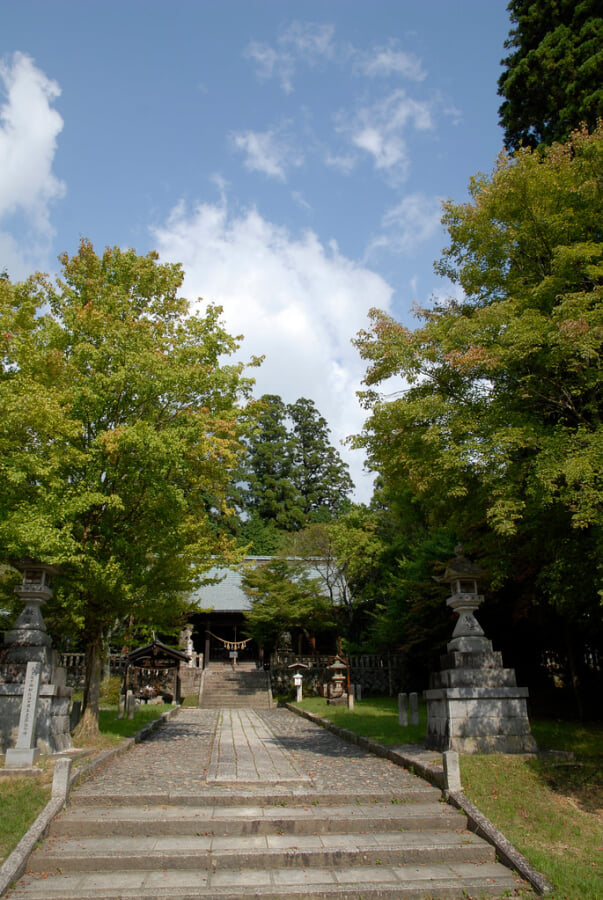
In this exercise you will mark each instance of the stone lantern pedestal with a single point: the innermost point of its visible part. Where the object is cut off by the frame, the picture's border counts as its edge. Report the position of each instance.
(34, 698)
(474, 704)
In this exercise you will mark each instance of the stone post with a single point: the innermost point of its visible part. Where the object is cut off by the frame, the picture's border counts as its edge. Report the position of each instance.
(414, 708)
(26, 752)
(452, 771)
(403, 710)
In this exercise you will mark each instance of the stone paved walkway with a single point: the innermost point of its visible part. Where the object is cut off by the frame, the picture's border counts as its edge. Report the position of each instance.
(219, 804)
(202, 749)
(246, 750)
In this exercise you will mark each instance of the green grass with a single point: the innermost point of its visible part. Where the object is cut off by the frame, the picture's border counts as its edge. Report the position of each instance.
(550, 809)
(190, 701)
(21, 801)
(110, 725)
(374, 717)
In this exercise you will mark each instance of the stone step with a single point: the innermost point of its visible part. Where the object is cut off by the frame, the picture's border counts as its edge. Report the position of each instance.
(249, 820)
(235, 703)
(232, 689)
(382, 882)
(262, 796)
(226, 852)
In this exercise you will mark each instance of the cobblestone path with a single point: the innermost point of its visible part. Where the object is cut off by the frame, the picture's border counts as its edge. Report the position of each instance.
(202, 748)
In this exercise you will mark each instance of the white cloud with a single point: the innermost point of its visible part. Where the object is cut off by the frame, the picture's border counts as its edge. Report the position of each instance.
(380, 130)
(28, 131)
(297, 302)
(385, 61)
(271, 63)
(415, 219)
(386, 148)
(310, 42)
(269, 152)
(345, 163)
(301, 42)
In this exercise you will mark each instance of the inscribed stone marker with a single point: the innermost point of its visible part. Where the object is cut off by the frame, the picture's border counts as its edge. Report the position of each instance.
(25, 751)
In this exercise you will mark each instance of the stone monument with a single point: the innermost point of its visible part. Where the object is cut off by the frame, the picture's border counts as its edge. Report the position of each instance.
(34, 699)
(474, 704)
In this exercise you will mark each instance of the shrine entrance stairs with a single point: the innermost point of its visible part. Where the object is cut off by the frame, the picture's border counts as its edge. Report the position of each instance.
(238, 804)
(241, 687)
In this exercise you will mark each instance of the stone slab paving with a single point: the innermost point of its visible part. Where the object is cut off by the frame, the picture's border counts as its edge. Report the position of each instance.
(245, 749)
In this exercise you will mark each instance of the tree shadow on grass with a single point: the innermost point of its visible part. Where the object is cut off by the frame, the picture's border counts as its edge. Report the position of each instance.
(579, 779)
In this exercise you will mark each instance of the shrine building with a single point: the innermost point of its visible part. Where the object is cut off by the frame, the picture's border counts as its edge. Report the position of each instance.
(219, 627)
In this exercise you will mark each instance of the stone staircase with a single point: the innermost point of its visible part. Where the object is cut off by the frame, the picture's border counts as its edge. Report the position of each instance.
(225, 687)
(271, 846)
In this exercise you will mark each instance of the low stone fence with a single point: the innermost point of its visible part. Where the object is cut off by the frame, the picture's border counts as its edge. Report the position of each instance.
(377, 674)
(75, 666)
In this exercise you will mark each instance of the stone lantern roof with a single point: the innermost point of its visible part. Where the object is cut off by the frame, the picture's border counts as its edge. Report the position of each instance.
(460, 567)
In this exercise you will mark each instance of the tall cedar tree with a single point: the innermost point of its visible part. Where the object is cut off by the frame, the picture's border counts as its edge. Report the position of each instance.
(270, 492)
(553, 82)
(292, 473)
(319, 474)
(119, 435)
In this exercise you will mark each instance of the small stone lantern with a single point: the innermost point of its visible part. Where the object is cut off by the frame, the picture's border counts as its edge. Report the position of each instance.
(298, 680)
(336, 684)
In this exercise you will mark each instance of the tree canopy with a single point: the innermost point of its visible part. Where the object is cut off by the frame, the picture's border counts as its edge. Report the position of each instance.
(285, 597)
(497, 428)
(119, 437)
(292, 474)
(553, 80)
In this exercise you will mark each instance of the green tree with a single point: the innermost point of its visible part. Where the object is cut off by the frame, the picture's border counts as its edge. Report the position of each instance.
(284, 598)
(269, 490)
(497, 428)
(344, 556)
(118, 439)
(553, 81)
(291, 474)
(409, 614)
(319, 473)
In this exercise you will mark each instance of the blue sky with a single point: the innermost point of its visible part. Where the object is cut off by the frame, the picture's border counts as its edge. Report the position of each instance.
(292, 154)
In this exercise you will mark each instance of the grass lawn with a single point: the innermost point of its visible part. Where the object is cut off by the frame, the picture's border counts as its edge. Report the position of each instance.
(550, 809)
(374, 717)
(23, 799)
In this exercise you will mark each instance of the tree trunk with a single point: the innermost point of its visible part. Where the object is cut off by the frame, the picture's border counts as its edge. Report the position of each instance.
(87, 729)
(107, 654)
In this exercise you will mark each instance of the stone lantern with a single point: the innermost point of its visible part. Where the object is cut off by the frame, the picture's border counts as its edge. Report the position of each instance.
(34, 697)
(29, 631)
(463, 576)
(298, 680)
(336, 686)
(474, 704)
